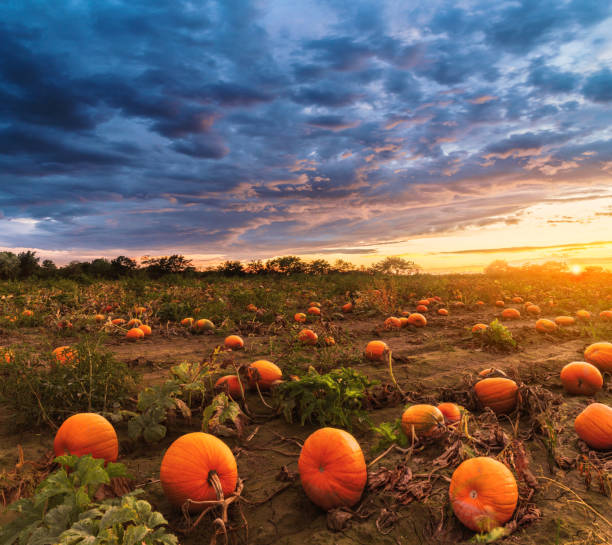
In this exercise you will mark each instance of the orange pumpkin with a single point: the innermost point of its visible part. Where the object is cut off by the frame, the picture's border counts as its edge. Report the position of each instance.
(190, 462)
(9, 355)
(27, 313)
(594, 426)
(393, 323)
(451, 412)
(606, 315)
(145, 329)
(314, 311)
(442, 312)
(308, 336)
(264, 373)
(480, 303)
(423, 302)
(583, 314)
(229, 384)
(299, 317)
(87, 433)
(99, 317)
(204, 325)
(376, 350)
(545, 326)
(422, 308)
(565, 320)
(234, 342)
(64, 354)
(500, 304)
(417, 320)
(424, 419)
(134, 322)
(251, 307)
(404, 321)
(581, 378)
(329, 341)
(332, 468)
(510, 314)
(479, 328)
(533, 309)
(483, 493)
(187, 322)
(134, 334)
(600, 355)
(314, 304)
(347, 307)
(118, 321)
(517, 300)
(498, 393)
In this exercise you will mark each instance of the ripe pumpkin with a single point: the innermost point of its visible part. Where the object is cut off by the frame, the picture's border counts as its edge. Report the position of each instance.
(606, 315)
(422, 308)
(483, 493)
(64, 354)
(234, 342)
(134, 334)
(417, 320)
(99, 317)
(251, 307)
(479, 328)
(314, 311)
(27, 313)
(87, 433)
(329, 341)
(145, 329)
(314, 304)
(600, 355)
(583, 314)
(533, 309)
(424, 419)
(9, 356)
(308, 336)
(393, 323)
(118, 321)
(510, 314)
(500, 304)
(581, 378)
(517, 300)
(299, 317)
(545, 326)
(229, 384)
(451, 412)
(264, 373)
(134, 322)
(376, 350)
(565, 320)
(442, 312)
(204, 325)
(498, 393)
(347, 307)
(332, 468)
(404, 321)
(189, 464)
(480, 303)
(594, 426)
(187, 322)
(423, 302)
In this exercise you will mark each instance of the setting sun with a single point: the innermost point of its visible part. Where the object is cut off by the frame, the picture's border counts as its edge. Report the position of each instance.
(576, 269)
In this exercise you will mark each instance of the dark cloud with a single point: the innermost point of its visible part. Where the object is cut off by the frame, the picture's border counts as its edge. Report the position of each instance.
(598, 87)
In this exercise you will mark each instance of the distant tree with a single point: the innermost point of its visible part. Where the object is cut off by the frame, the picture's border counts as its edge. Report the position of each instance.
(255, 267)
(289, 264)
(550, 267)
(48, 268)
(340, 265)
(499, 266)
(231, 268)
(395, 265)
(100, 267)
(318, 266)
(9, 265)
(174, 264)
(28, 264)
(122, 266)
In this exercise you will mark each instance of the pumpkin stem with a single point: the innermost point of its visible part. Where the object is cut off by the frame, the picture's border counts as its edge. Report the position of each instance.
(390, 357)
(215, 482)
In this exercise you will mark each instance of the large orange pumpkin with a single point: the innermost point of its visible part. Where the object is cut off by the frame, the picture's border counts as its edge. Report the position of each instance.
(189, 464)
(600, 355)
(263, 372)
(87, 433)
(376, 350)
(498, 393)
(545, 326)
(134, 334)
(483, 493)
(581, 378)
(594, 426)
(606, 315)
(424, 419)
(417, 319)
(510, 314)
(332, 468)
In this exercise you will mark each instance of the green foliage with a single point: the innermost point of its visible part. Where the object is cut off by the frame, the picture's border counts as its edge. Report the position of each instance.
(63, 510)
(219, 413)
(389, 433)
(498, 336)
(332, 399)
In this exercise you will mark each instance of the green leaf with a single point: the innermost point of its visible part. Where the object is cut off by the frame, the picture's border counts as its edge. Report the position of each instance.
(154, 433)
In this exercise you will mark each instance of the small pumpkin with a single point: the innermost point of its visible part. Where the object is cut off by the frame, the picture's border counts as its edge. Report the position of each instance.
(583, 314)
(187, 322)
(87, 433)
(251, 307)
(451, 412)
(329, 341)
(517, 300)
(118, 321)
(314, 311)
(422, 308)
(188, 467)
(332, 468)
(479, 328)
(510, 314)
(308, 336)
(393, 323)
(234, 342)
(423, 419)
(145, 329)
(134, 334)
(204, 325)
(299, 317)
(347, 307)
(442, 312)
(498, 393)
(581, 378)
(533, 309)
(423, 302)
(134, 322)
(545, 326)
(594, 426)
(263, 372)
(500, 304)
(565, 320)
(376, 350)
(99, 318)
(600, 355)
(483, 493)
(417, 319)
(229, 384)
(64, 354)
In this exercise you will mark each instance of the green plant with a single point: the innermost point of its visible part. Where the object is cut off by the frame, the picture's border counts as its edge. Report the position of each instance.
(498, 336)
(219, 413)
(63, 510)
(333, 399)
(390, 433)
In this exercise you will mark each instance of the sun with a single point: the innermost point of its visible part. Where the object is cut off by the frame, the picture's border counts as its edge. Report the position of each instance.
(576, 269)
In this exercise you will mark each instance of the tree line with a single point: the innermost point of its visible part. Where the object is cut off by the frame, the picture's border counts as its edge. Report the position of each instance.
(27, 265)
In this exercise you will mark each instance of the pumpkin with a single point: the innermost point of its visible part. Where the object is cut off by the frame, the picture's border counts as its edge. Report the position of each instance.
(87, 433)
(332, 468)
(498, 393)
(118, 321)
(9, 355)
(583, 314)
(483, 493)
(134, 334)
(27, 313)
(234, 342)
(308, 336)
(406, 313)
(145, 329)
(480, 303)
(417, 320)
(229, 384)
(64, 354)
(517, 300)
(510, 314)
(347, 307)
(594, 426)
(422, 308)
(376, 350)
(606, 315)
(251, 307)
(581, 378)
(479, 328)
(500, 304)
(458, 304)
(299, 317)
(404, 321)
(314, 304)
(442, 312)
(329, 341)
(393, 323)
(264, 373)
(565, 320)
(189, 465)
(533, 309)
(423, 419)
(600, 355)
(204, 325)
(423, 302)
(314, 311)
(187, 322)
(99, 317)
(545, 326)
(451, 412)
(491, 372)
(134, 322)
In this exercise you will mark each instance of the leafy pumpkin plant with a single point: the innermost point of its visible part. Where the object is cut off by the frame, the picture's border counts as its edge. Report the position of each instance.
(332, 399)
(63, 510)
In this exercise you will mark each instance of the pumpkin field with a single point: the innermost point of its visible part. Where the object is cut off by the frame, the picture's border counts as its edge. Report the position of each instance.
(339, 408)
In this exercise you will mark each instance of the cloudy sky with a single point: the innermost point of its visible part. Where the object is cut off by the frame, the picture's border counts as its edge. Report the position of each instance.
(241, 129)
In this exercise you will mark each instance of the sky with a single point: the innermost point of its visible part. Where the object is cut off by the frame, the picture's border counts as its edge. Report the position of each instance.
(451, 133)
